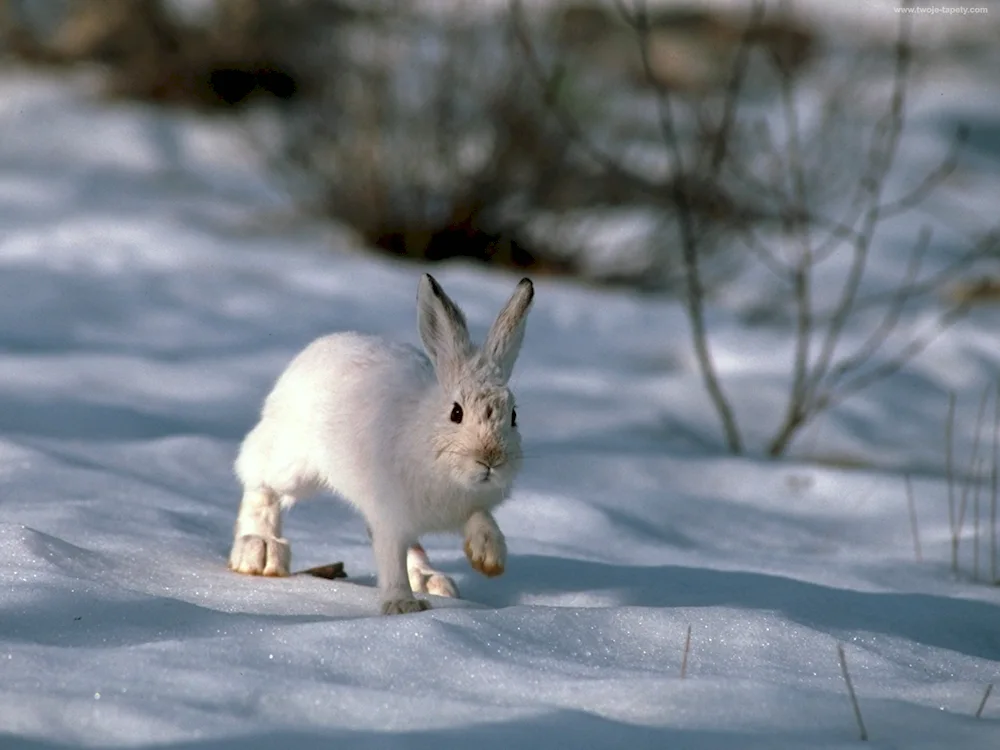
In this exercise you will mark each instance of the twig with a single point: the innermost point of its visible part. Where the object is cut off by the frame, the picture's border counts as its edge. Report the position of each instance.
(809, 397)
(549, 85)
(734, 87)
(913, 518)
(831, 397)
(949, 468)
(891, 318)
(676, 190)
(975, 524)
(931, 181)
(850, 692)
(821, 376)
(880, 157)
(995, 467)
(690, 251)
(687, 650)
(973, 472)
(894, 364)
(798, 399)
(330, 572)
(982, 703)
(983, 247)
(764, 254)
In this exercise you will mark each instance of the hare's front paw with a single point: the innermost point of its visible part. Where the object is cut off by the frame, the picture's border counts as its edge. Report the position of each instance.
(260, 556)
(486, 549)
(404, 606)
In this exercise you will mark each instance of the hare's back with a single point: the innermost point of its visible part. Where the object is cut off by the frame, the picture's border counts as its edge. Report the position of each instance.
(346, 370)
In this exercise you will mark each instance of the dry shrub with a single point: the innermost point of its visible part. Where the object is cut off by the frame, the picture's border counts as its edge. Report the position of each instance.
(217, 54)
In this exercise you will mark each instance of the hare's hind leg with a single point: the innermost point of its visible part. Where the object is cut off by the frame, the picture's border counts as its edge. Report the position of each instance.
(258, 548)
(425, 579)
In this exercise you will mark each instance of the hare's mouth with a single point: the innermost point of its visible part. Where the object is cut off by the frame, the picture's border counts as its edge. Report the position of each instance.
(488, 472)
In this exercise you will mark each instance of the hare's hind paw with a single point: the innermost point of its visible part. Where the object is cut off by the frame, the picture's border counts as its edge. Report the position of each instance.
(437, 584)
(425, 579)
(260, 556)
(441, 585)
(404, 606)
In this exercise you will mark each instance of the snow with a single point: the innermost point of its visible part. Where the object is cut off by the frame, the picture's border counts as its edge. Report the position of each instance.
(149, 295)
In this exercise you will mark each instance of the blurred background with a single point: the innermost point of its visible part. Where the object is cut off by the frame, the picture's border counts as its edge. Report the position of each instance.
(804, 168)
(521, 134)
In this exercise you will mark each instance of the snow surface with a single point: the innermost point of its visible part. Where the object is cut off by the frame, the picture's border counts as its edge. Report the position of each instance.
(151, 289)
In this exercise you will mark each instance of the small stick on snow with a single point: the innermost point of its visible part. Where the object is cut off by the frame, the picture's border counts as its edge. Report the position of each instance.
(330, 572)
(850, 692)
(687, 650)
(913, 518)
(982, 703)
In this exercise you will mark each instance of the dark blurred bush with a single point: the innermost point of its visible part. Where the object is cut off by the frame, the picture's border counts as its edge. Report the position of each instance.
(202, 54)
(425, 130)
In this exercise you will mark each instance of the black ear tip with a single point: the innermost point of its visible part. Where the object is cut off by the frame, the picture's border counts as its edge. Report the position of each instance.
(525, 283)
(435, 287)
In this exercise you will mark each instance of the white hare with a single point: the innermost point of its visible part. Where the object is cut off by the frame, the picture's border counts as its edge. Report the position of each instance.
(416, 444)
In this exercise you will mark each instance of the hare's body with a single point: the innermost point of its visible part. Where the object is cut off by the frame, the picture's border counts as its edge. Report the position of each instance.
(416, 444)
(319, 431)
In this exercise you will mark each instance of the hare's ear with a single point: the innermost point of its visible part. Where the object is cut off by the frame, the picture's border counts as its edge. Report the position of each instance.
(503, 342)
(442, 329)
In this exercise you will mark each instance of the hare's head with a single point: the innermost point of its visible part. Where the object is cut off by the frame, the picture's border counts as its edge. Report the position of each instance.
(475, 436)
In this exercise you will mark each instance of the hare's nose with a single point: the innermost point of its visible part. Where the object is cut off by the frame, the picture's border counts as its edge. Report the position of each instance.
(492, 458)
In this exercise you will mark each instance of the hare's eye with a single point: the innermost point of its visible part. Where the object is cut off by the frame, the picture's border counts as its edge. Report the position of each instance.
(456, 414)
(513, 418)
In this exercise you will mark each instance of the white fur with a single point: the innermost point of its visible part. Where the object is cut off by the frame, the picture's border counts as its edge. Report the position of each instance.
(370, 420)
(424, 578)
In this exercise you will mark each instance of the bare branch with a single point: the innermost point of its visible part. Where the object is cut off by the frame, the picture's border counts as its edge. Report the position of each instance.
(821, 377)
(764, 254)
(676, 189)
(802, 270)
(885, 141)
(549, 83)
(995, 467)
(890, 320)
(949, 467)
(938, 280)
(695, 296)
(973, 473)
(845, 229)
(931, 182)
(838, 232)
(734, 87)
(914, 528)
(975, 525)
(760, 188)
(894, 364)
